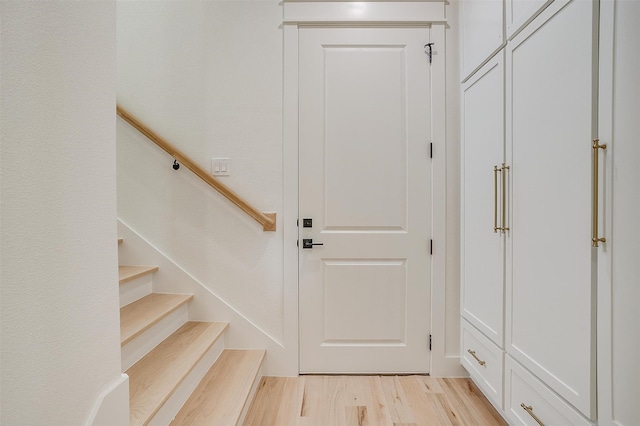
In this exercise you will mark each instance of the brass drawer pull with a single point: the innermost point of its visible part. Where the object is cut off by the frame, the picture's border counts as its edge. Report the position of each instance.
(529, 409)
(473, 354)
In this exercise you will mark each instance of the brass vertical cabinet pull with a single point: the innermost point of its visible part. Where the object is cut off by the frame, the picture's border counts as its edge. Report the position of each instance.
(529, 409)
(495, 199)
(473, 354)
(503, 198)
(594, 236)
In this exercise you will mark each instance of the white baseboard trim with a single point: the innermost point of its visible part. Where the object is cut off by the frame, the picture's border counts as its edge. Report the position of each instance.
(112, 406)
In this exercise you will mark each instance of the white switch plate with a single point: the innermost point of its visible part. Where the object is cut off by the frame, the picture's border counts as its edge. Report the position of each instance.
(221, 166)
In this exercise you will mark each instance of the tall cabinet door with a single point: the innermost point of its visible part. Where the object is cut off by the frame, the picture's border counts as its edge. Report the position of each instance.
(550, 262)
(482, 244)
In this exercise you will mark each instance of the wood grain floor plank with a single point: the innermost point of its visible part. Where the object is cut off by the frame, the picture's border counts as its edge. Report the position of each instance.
(370, 400)
(496, 418)
(431, 384)
(268, 412)
(397, 401)
(472, 400)
(422, 402)
(287, 391)
(379, 400)
(290, 411)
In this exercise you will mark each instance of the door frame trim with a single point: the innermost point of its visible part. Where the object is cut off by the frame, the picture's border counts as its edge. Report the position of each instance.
(327, 15)
(376, 12)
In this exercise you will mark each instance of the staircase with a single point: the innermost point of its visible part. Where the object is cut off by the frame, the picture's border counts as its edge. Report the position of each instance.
(179, 370)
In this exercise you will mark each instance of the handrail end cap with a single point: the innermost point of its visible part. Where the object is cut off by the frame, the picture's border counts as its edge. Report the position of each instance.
(271, 226)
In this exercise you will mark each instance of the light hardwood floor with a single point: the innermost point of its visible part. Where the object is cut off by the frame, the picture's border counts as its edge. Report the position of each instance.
(369, 400)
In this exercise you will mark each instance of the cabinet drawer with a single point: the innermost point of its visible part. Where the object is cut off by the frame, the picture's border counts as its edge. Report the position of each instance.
(484, 362)
(523, 388)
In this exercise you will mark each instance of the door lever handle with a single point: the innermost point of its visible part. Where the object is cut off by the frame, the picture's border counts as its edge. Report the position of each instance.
(307, 243)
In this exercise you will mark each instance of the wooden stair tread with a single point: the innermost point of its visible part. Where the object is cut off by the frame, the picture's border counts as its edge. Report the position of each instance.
(222, 394)
(128, 273)
(156, 376)
(139, 316)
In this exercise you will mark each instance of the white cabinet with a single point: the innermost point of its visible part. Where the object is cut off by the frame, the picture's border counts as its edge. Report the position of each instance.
(483, 244)
(530, 402)
(518, 13)
(532, 291)
(550, 309)
(484, 361)
(482, 32)
(482, 248)
(559, 92)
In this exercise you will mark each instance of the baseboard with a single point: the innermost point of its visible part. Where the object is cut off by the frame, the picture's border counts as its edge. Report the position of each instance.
(112, 406)
(206, 305)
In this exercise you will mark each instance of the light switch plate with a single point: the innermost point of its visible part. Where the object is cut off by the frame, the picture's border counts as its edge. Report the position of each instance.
(221, 166)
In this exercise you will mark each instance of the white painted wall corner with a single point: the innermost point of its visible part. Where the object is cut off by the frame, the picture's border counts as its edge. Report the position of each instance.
(112, 406)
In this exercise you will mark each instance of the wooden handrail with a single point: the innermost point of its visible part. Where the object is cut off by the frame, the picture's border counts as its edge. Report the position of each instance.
(266, 219)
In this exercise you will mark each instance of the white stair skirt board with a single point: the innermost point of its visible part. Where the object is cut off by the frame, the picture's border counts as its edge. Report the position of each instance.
(135, 289)
(133, 351)
(167, 413)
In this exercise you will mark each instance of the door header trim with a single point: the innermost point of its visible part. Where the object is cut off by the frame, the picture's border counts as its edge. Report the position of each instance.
(364, 12)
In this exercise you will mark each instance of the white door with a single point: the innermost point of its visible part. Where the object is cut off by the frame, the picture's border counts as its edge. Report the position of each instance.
(365, 183)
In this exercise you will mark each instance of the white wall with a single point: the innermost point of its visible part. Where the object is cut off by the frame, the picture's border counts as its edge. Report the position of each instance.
(207, 75)
(625, 233)
(60, 345)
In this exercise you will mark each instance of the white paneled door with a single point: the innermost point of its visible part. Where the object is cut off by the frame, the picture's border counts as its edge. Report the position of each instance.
(365, 186)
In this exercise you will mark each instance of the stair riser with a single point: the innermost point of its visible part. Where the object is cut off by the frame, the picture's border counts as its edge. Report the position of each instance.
(135, 289)
(172, 406)
(133, 351)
